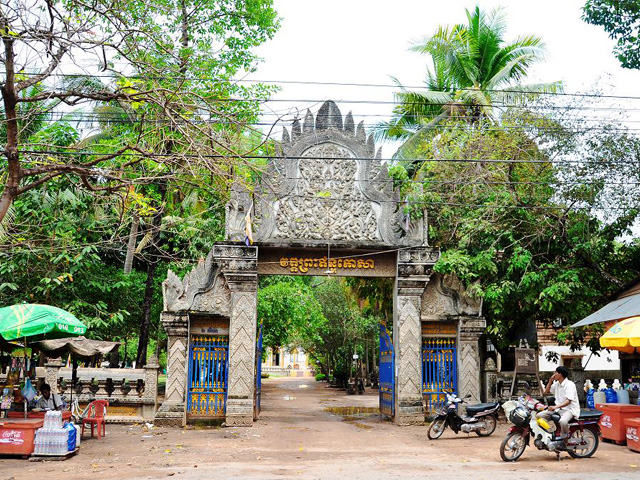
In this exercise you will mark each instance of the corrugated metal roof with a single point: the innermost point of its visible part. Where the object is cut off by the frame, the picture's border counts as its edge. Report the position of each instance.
(616, 310)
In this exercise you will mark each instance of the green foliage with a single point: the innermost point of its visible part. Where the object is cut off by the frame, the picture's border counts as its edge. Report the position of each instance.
(174, 118)
(320, 377)
(508, 230)
(621, 20)
(330, 319)
(285, 306)
(473, 67)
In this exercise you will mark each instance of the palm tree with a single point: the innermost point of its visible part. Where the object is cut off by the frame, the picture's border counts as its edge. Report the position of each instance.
(474, 72)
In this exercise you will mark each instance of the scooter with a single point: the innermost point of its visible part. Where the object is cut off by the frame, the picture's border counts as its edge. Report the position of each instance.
(481, 418)
(583, 432)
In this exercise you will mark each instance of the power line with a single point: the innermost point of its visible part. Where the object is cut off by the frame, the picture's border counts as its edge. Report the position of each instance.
(330, 83)
(115, 117)
(369, 159)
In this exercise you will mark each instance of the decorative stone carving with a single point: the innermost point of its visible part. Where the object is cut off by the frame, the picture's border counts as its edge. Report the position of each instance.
(445, 297)
(205, 288)
(178, 295)
(326, 184)
(236, 211)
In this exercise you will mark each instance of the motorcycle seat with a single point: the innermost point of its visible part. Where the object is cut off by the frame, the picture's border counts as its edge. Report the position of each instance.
(481, 407)
(590, 414)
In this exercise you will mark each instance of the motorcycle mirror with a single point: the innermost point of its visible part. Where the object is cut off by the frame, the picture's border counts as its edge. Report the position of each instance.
(468, 396)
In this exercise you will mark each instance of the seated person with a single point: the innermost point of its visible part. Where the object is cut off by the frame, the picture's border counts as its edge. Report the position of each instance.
(48, 401)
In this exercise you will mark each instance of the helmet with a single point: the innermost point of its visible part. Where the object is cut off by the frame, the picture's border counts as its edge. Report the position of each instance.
(520, 416)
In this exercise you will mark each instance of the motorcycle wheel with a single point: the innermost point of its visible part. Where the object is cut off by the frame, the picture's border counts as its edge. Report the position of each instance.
(491, 423)
(584, 451)
(512, 447)
(437, 427)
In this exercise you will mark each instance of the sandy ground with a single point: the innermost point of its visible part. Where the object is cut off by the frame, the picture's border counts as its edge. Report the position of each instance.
(308, 431)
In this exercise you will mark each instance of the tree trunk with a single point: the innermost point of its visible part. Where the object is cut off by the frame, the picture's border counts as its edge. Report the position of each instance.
(143, 339)
(131, 245)
(10, 100)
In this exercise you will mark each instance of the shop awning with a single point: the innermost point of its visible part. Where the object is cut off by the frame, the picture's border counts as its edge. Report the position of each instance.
(83, 347)
(623, 336)
(617, 310)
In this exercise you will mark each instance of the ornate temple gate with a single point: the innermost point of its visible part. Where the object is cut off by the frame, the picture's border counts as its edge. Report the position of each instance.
(325, 205)
(387, 377)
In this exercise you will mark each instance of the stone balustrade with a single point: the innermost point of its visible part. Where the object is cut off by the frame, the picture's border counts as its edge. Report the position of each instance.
(132, 393)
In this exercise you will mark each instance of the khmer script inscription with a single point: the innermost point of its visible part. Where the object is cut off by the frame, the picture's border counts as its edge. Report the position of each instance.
(302, 265)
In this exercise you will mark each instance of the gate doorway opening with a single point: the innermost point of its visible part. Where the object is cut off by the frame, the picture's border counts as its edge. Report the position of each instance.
(333, 329)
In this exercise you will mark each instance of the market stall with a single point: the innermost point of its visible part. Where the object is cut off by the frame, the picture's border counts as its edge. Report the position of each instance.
(21, 424)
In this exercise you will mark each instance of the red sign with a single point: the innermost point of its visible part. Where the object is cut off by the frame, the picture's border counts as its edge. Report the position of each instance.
(13, 437)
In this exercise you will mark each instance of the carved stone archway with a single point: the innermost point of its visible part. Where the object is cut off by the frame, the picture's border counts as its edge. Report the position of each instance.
(326, 188)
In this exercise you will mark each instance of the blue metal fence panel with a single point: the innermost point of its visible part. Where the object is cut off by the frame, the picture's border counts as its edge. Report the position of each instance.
(207, 377)
(387, 373)
(439, 370)
(258, 371)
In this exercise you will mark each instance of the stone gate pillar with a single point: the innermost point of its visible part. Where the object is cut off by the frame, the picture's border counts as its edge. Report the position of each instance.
(240, 271)
(171, 412)
(469, 332)
(413, 275)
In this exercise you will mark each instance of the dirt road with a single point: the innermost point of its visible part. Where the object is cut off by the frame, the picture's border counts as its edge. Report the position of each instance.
(308, 431)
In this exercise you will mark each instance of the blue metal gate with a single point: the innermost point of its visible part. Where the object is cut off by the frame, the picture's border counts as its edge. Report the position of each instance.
(208, 372)
(387, 373)
(439, 370)
(256, 404)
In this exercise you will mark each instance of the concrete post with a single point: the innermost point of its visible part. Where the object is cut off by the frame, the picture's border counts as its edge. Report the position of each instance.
(150, 394)
(52, 374)
(240, 271)
(470, 329)
(414, 269)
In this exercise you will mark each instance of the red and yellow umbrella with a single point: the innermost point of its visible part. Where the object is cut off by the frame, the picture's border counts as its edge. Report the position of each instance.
(624, 336)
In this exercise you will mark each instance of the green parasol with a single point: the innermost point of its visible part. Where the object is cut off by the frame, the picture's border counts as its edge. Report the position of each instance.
(41, 321)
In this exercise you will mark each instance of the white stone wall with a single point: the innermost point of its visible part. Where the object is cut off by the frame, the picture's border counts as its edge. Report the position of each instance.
(608, 360)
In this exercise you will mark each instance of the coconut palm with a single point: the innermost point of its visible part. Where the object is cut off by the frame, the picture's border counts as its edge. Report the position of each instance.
(474, 73)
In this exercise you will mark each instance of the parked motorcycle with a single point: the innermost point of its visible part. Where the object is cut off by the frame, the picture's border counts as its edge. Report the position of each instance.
(481, 418)
(583, 432)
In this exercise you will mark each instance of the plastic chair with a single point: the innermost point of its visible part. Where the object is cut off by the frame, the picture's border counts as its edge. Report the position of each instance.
(96, 411)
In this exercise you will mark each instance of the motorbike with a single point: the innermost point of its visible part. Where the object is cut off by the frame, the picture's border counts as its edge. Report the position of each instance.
(481, 418)
(583, 437)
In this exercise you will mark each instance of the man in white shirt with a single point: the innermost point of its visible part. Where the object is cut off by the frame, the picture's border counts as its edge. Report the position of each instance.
(566, 395)
(49, 401)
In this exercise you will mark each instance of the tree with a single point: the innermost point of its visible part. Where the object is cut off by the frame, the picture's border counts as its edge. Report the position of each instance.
(172, 117)
(474, 70)
(621, 20)
(287, 309)
(520, 227)
(174, 71)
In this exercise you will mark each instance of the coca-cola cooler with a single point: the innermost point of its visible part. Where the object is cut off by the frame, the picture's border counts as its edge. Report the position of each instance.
(614, 418)
(17, 435)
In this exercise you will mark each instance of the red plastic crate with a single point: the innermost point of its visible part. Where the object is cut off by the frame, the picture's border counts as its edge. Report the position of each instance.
(612, 422)
(633, 434)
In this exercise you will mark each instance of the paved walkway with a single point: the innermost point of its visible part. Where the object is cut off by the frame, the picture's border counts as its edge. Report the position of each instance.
(308, 431)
